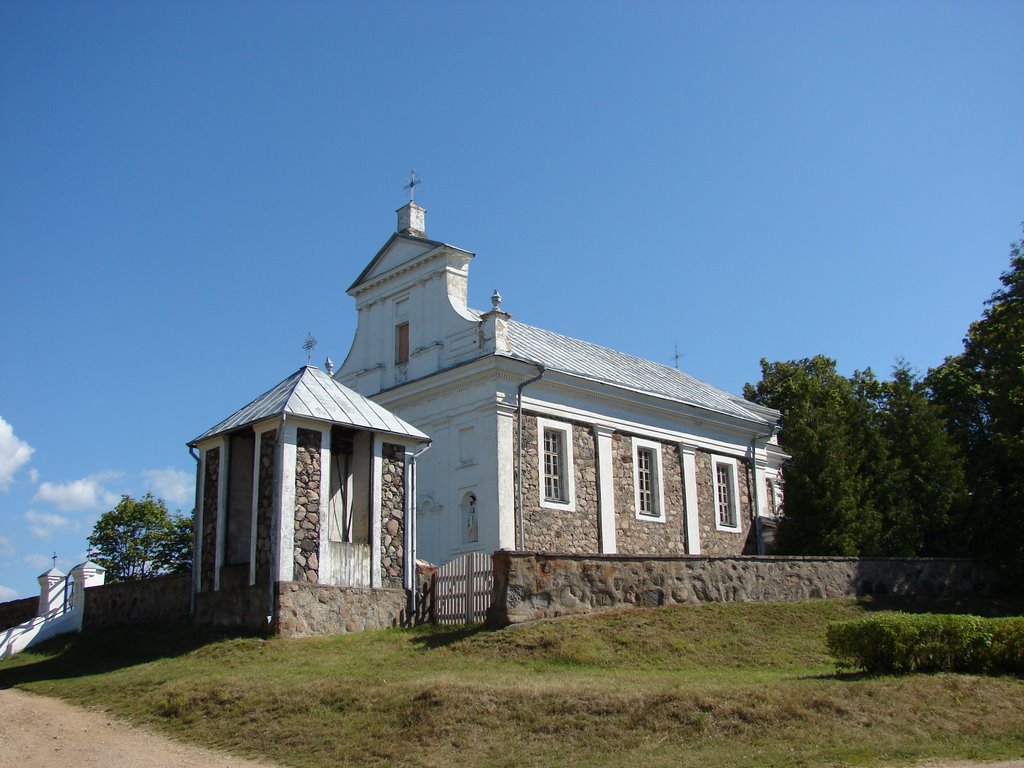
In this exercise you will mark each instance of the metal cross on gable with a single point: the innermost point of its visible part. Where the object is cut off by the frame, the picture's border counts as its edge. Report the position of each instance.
(414, 181)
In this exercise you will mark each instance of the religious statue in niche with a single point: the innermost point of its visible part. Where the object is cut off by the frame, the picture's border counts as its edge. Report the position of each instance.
(469, 515)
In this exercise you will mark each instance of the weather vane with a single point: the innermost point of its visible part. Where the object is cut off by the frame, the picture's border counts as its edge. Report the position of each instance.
(414, 181)
(309, 345)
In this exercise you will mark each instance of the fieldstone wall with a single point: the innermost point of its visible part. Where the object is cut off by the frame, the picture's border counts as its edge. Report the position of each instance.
(265, 507)
(530, 586)
(164, 600)
(633, 535)
(15, 612)
(558, 529)
(304, 609)
(211, 495)
(714, 542)
(392, 516)
(307, 506)
(240, 607)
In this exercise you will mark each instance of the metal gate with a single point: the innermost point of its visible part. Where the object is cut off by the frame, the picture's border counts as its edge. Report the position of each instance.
(462, 589)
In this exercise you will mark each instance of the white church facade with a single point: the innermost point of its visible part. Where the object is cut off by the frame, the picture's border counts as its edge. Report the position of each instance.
(546, 443)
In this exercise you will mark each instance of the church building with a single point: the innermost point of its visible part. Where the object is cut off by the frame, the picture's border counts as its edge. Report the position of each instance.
(547, 443)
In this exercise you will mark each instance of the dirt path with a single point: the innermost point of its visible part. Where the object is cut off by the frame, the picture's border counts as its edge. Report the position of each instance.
(40, 732)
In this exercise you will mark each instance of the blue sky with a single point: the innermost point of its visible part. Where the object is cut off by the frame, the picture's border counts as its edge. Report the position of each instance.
(186, 190)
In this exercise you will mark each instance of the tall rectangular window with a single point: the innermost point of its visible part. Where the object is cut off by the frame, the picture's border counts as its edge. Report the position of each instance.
(554, 465)
(555, 471)
(646, 500)
(401, 343)
(648, 492)
(726, 503)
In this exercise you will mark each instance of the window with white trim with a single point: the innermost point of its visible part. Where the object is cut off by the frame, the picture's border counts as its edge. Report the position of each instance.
(727, 505)
(554, 449)
(647, 480)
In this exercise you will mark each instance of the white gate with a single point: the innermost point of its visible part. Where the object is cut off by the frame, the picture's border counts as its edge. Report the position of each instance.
(462, 589)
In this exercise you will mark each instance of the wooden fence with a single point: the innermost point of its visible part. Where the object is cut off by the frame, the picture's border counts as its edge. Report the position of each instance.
(462, 589)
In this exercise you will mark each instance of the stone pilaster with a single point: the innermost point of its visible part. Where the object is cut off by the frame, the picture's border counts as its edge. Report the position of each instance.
(211, 495)
(265, 506)
(392, 515)
(307, 506)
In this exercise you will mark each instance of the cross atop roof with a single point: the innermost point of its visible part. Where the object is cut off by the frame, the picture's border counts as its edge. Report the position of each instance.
(414, 181)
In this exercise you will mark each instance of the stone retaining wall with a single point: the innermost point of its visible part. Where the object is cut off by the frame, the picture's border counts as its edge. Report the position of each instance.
(15, 612)
(530, 586)
(305, 609)
(161, 600)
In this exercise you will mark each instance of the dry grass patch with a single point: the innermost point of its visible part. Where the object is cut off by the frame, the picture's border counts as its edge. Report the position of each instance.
(730, 685)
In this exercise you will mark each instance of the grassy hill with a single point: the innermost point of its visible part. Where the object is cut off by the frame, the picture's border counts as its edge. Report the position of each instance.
(722, 685)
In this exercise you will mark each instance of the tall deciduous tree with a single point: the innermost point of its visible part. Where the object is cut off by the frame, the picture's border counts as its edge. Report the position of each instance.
(138, 539)
(982, 391)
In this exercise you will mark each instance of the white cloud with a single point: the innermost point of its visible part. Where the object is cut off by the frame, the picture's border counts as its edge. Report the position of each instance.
(6, 593)
(44, 525)
(14, 453)
(38, 562)
(174, 486)
(33, 475)
(6, 546)
(87, 493)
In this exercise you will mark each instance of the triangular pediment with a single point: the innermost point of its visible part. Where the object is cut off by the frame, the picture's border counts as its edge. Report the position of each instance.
(398, 250)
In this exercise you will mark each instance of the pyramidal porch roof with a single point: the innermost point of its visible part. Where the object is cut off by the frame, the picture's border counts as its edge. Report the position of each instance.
(313, 394)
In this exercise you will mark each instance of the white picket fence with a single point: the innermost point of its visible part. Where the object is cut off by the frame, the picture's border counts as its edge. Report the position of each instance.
(462, 589)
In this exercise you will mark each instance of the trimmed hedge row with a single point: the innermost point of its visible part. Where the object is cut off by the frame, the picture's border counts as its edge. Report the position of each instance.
(904, 642)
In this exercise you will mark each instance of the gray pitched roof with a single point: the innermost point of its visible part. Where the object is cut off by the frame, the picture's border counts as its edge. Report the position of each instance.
(312, 393)
(592, 361)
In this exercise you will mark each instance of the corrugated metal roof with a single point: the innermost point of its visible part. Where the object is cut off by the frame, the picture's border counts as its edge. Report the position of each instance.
(592, 361)
(311, 393)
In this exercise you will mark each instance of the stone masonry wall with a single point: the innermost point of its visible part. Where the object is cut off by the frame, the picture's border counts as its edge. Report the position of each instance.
(304, 609)
(557, 529)
(164, 600)
(392, 514)
(265, 507)
(530, 586)
(714, 542)
(636, 535)
(211, 495)
(15, 612)
(307, 506)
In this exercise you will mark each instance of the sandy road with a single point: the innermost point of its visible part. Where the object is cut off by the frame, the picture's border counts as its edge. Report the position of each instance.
(40, 732)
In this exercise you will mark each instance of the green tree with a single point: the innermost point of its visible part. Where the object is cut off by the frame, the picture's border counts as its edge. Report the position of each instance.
(982, 393)
(825, 428)
(139, 539)
(920, 487)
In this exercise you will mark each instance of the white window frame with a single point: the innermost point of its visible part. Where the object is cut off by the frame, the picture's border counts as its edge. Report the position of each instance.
(734, 500)
(658, 492)
(569, 503)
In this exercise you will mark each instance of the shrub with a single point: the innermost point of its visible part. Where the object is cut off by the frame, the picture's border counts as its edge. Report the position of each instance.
(901, 643)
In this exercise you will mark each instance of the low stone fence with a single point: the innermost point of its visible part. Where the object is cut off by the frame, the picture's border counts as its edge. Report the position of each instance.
(15, 612)
(160, 600)
(313, 609)
(532, 585)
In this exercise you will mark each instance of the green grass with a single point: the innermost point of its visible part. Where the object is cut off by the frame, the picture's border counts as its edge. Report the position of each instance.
(724, 685)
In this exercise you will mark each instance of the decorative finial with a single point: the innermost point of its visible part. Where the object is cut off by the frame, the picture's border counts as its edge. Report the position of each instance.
(676, 356)
(54, 558)
(414, 181)
(309, 345)
(496, 300)
(329, 365)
